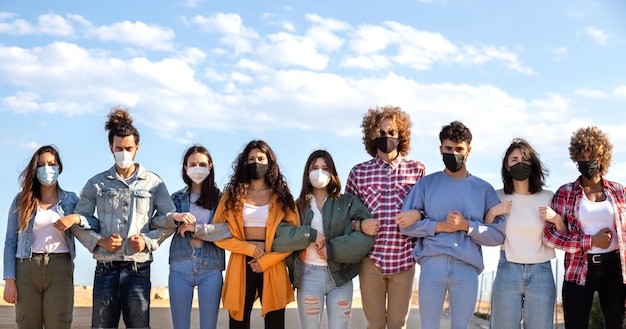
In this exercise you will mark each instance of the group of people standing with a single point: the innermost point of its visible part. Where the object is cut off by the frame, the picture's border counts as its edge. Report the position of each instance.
(391, 216)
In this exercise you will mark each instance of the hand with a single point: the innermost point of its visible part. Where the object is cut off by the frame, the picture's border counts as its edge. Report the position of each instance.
(112, 243)
(370, 226)
(322, 253)
(456, 221)
(255, 266)
(137, 243)
(185, 218)
(320, 240)
(258, 252)
(10, 291)
(602, 239)
(547, 214)
(66, 222)
(186, 228)
(407, 218)
(502, 208)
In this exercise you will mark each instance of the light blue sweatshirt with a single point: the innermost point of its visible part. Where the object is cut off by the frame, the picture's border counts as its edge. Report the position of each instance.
(436, 195)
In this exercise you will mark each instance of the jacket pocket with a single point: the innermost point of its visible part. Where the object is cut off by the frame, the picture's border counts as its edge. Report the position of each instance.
(108, 200)
(142, 201)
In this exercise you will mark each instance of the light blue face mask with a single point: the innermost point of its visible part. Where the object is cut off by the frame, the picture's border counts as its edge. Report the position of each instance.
(48, 175)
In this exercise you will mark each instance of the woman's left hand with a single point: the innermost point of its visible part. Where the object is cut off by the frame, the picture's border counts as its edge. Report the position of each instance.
(66, 222)
(255, 266)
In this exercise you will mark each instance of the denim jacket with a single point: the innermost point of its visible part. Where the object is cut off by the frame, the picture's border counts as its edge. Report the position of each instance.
(141, 206)
(18, 244)
(213, 257)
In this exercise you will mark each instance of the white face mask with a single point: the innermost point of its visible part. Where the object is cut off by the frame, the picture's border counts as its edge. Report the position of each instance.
(319, 178)
(123, 159)
(47, 175)
(198, 173)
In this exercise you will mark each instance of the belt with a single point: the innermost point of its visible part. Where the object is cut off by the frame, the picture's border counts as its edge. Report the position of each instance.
(603, 258)
(51, 255)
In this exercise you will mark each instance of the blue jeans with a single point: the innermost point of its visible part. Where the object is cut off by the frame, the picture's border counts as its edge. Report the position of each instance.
(441, 274)
(317, 285)
(121, 287)
(184, 276)
(523, 291)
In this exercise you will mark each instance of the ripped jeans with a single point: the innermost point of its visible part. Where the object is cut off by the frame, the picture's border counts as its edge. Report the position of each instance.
(318, 286)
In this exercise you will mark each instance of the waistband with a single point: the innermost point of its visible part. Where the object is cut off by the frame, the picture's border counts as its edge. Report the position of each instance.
(603, 258)
(49, 255)
(255, 240)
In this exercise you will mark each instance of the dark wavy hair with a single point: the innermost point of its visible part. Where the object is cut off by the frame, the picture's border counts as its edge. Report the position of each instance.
(239, 182)
(594, 141)
(538, 172)
(457, 132)
(371, 122)
(119, 123)
(333, 187)
(209, 192)
(31, 187)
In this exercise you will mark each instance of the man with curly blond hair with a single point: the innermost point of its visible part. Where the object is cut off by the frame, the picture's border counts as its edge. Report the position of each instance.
(382, 183)
(586, 220)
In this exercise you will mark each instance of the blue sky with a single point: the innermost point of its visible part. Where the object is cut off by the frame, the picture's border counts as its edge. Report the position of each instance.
(300, 75)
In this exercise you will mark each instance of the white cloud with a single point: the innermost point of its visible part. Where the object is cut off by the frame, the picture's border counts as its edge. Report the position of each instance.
(284, 49)
(230, 26)
(481, 55)
(191, 55)
(557, 52)
(597, 35)
(288, 26)
(322, 31)
(370, 62)
(590, 93)
(137, 33)
(620, 91)
(53, 24)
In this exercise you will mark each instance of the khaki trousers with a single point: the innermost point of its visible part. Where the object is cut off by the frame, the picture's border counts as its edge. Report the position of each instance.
(385, 298)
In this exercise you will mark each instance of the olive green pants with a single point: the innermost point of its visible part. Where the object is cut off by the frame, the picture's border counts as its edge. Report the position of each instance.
(45, 291)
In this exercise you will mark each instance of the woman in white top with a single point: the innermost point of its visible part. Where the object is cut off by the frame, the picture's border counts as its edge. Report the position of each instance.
(524, 290)
(39, 249)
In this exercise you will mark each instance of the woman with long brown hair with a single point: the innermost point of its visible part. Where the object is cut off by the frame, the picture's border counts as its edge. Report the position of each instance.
(39, 249)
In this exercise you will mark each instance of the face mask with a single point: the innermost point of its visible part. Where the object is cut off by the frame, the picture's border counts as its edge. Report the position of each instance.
(386, 144)
(520, 171)
(257, 170)
(123, 159)
(197, 173)
(453, 162)
(319, 178)
(588, 168)
(47, 175)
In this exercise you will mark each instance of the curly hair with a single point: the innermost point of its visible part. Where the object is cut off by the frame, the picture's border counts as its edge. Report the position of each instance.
(31, 187)
(594, 141)
(209, 192)
(538, 172)
(371, 124)
(119, 123)
(237, 187)
(457, 132)
(333, 187)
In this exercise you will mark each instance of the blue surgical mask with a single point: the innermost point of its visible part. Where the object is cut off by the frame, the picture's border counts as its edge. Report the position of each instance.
(47, 175)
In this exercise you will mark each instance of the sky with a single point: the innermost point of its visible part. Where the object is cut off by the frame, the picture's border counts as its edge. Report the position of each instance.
(301, 75)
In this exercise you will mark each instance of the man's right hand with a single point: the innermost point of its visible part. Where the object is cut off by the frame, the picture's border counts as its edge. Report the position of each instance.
(112, 243)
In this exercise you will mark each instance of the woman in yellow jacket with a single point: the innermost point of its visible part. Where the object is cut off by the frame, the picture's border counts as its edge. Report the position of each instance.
(255, 201)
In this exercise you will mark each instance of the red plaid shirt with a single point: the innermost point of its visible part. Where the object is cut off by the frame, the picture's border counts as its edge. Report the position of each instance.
(566, 202)
(382, 187)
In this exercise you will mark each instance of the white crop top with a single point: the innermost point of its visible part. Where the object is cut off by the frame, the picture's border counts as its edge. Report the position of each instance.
(255, 216)
(593, 217)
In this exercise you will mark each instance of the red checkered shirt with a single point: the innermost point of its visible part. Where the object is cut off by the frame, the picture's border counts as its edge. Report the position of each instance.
(382, 187)
(575, 243)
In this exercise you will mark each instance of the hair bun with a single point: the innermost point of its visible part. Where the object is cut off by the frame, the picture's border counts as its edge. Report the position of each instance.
(118, 117)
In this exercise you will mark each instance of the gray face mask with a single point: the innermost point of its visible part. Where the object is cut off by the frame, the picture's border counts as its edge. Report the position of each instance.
(588, 168)
(453, 162)
(520, 171)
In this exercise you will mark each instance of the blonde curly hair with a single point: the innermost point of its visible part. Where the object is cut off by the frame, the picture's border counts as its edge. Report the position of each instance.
(371, 122)
(594, 141)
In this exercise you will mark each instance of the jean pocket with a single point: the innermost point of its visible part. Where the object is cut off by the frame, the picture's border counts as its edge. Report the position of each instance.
(545, 267)
(143, 270)
(142, 201)
(101, 269)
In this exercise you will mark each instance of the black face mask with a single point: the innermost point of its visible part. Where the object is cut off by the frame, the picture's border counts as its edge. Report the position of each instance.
(520, 171)
(453, 162)
(256, 170)
(588, 168)
(386, 144)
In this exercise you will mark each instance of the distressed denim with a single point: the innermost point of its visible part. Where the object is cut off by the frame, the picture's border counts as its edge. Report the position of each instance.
(121, 287)
(441, 274)
(184, 276)
(523, 291)
(318, 285)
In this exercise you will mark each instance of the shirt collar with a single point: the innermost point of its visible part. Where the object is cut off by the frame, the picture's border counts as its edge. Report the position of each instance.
(395, 163)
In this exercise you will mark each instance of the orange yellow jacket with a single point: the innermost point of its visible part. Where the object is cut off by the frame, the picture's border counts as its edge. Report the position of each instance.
(277, 291)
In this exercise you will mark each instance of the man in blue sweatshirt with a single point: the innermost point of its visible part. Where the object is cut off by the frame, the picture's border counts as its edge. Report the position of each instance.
(445, 210)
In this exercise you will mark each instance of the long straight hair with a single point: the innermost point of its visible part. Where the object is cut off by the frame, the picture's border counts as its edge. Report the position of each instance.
(538, 172)
(333, 187)
(209, 192)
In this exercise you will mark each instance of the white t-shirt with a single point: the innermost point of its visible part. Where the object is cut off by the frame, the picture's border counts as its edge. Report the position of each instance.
(312, 257)
(46, 238)
(524, 229)
(593, 217)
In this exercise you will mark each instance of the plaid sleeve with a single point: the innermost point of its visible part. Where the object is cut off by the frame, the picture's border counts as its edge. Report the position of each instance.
(574, 240)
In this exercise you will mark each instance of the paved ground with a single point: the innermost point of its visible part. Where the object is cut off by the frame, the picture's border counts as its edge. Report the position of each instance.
(160, 319)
